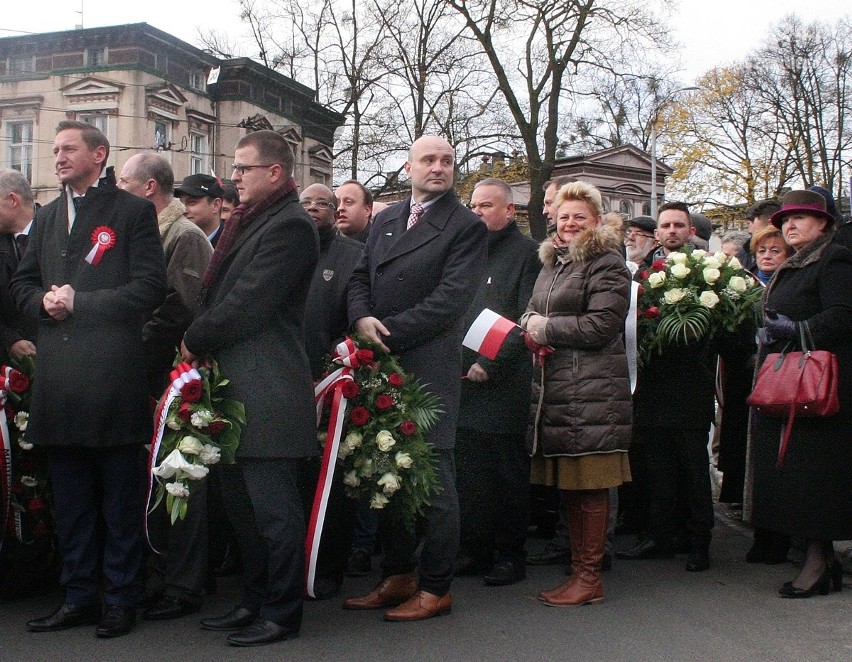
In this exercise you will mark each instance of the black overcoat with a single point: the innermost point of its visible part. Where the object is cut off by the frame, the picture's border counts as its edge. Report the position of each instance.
(251, 323)
(419, 283)
(90, 383)
(14, 325)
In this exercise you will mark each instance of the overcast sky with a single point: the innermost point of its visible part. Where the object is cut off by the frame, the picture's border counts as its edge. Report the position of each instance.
(712, 32)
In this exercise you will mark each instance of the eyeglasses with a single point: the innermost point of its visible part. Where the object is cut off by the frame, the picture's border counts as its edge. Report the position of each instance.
(317, 203)
(636, 233)
(241, 169)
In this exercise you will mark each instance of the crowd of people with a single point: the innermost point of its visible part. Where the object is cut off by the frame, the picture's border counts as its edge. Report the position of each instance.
(101, 286)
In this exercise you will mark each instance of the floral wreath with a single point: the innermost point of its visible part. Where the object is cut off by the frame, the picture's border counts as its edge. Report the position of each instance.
(383, 456)
(692, 295)
(195, 426)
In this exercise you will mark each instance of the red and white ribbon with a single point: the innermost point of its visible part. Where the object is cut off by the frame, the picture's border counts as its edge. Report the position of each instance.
(346, 357)
(103, 238)
(182, 374)
(6, 457)
(487, 333)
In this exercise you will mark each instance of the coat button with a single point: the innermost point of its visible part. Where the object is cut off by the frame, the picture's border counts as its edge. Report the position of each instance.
(65, 338)
(63, 253)
(380, 273)
(399, 277)
(394, 311)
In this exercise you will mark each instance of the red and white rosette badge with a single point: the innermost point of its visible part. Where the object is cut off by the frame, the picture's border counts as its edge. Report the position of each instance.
(103, 238)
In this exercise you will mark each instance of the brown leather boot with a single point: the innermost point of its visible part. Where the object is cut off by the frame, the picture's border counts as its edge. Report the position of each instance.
(389, 592)
(588, 517)
(570, 498)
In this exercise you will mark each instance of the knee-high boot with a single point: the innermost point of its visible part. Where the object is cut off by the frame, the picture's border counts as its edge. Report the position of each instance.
(588, 517)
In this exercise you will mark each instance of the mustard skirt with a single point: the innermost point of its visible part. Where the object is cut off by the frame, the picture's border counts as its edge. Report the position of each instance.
(585, 472)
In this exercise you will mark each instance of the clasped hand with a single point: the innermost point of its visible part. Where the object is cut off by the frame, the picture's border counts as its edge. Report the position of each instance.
(59, 302)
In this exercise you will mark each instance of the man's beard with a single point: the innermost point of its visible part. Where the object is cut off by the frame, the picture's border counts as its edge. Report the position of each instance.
(637, 254)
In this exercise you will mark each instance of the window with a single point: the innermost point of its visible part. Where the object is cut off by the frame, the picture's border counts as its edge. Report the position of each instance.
(161, 134)
(20, 141)
(646, 209)
(197, 153)
(626, 207)
(21, 65)
(197, 80)
(96, 57)
(97, 120)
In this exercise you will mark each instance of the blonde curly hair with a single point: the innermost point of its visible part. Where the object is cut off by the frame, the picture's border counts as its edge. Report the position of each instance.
(582, 192)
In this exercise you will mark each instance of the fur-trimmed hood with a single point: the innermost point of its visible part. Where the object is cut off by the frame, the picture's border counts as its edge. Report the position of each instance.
(172, 212)
(604, 238)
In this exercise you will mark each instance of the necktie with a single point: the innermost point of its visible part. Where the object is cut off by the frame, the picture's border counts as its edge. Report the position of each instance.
(414, 216)
(21, 243)
(77, 200)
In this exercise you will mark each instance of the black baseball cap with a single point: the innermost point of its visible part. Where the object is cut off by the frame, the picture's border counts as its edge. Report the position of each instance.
(199, 186)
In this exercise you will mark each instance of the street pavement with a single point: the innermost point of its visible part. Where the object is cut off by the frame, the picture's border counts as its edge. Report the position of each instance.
(653, 610)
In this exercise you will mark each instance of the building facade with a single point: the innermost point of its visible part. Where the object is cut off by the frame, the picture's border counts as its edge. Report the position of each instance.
(149, 91)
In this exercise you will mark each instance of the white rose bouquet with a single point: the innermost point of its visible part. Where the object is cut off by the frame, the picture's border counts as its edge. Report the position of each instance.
(693, 295)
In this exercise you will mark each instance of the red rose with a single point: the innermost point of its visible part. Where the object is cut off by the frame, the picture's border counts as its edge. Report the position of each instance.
(36, 504)
(359, 415)
(191, 391)
(644, 274)
(652, 312)
(215, 427)
(395, 379)
(640, 291)
(350, 389)
(659, 265)
(18, 381)
(384, 402)
(364, 355)
(408, 428)
(184, 411)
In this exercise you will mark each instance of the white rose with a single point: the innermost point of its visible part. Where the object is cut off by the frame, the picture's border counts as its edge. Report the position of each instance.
(403, 460)
(657, 279)
(173, 423)
(721, 257)
(711, 262)
(27, 446)
(677, 258)
(674, 295)
(385, 441)
(680, 270)
(343, 451)
(21, 420)
(379, 501)
(698, 254)
(177, 490)
(190, 445)
(175, 463)
(708, 298)
(29, 481)
(749, 281)
(210, 454)
(354, 440)
(734, 263)
(737, 284)
(389, 482)
(366, 470)
(711, 275)
(321, 437)
(201, 419)
(351, 479)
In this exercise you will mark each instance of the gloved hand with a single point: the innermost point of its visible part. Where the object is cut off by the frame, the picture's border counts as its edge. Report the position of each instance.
(776, 327)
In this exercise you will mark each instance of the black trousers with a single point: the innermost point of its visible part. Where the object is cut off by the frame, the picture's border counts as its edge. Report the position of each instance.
(262, 500)
(679, 469)
(493, 478)
(440, 535)
(99, 497)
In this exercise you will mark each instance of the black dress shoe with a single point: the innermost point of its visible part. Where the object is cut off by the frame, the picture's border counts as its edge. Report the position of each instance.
(647, 549)
(359, 563)
(260, 633)
(504, 573)
(236, 619)
(552, 555)
(66, 616)
(325, 588)
(170, 607)
(698, 561)
(117, 621)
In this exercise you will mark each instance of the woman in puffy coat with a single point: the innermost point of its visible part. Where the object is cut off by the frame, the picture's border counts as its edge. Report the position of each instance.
(581, 403)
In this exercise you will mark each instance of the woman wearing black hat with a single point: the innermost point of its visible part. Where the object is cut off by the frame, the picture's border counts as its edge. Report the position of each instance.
(810, 495)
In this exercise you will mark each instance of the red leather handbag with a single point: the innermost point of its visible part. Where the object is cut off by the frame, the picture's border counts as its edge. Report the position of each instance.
(791, 384)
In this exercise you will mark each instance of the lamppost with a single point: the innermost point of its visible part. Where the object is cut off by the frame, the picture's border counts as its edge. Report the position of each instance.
(655, 118)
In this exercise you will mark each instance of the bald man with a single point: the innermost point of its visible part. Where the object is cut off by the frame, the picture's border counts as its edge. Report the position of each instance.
(421, 267)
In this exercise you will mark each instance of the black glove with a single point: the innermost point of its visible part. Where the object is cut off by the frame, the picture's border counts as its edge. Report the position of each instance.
(777, 327)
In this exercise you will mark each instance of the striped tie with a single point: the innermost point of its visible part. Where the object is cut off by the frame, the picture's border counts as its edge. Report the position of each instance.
(414, 216)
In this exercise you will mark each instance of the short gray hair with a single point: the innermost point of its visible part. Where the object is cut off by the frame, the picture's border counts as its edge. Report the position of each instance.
(736, 237)
(499, 183)
(13, 181)
(154, 166)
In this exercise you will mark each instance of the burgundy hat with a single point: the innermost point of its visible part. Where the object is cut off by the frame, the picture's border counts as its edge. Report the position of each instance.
(801, 202)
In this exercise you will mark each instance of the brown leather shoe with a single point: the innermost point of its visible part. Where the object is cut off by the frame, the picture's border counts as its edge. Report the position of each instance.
(422, 605)
(389, 592)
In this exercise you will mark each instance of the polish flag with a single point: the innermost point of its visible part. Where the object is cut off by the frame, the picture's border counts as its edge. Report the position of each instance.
(487, 333)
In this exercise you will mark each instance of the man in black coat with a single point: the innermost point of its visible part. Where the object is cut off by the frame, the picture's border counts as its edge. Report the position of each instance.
(17, 331)
(92, 274)
(491, 456)
(251, 322)
(420, 269)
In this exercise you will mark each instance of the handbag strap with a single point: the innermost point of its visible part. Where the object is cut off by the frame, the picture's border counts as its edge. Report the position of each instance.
(806, 340)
